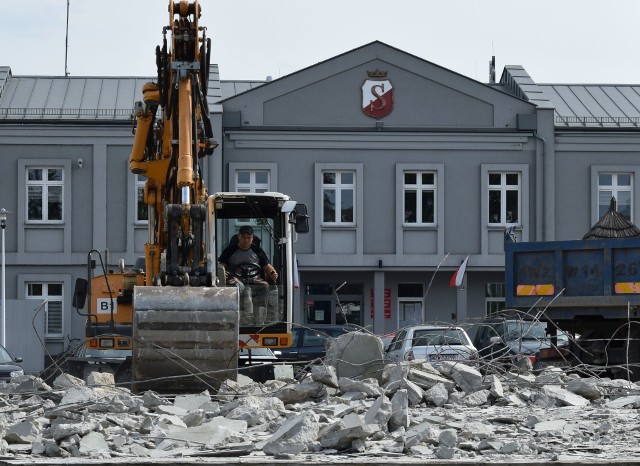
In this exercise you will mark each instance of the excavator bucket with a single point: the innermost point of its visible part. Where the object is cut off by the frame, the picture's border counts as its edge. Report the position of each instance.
(184, 338)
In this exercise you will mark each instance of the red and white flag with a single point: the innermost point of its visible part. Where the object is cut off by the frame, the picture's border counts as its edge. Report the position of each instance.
(456, 280)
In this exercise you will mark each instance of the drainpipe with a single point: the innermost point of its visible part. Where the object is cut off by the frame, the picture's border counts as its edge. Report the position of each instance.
(540, 194)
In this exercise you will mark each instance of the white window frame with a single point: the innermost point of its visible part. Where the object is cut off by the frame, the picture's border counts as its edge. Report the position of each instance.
(504, 188)
(253, 186)
(140, 182)
(615, 188)
(339, 187)
(44, 183)
(501, 287)
(49, 299)
(419, 188)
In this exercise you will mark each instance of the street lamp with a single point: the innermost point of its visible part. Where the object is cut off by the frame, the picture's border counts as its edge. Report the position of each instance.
(3, 316)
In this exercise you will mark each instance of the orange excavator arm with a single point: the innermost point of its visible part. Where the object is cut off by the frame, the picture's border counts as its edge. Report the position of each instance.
(175, 105)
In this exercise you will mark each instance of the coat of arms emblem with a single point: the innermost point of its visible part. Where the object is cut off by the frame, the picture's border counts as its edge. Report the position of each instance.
(377, 95)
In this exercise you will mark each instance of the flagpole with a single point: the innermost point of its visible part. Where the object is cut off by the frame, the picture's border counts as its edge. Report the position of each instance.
(424, 298)
(66, 43)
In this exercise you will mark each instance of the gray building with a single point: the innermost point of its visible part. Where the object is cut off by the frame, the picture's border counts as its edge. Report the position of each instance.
(407, 169)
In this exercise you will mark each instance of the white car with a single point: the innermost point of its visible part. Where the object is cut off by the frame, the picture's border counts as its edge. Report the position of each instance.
(432, 343)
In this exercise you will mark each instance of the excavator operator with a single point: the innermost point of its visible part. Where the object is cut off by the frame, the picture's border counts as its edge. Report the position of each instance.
(245, 262)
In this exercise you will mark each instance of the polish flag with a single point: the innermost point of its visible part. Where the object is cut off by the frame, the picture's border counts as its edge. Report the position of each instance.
(456, 280)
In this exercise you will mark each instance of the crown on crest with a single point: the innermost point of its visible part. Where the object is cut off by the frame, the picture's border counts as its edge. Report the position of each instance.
(377, 74)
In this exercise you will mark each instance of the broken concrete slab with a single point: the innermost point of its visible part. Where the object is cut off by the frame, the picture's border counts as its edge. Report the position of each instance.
(369, 387)
(325, 375)
(342, 433)
(426, 379)
(366, 362)
(94, 444)
(379, 412)
(437, 395)
(586, 388)
(399, 410)
(191, 402)
(564, 396)
(297, 434)
(467, 378)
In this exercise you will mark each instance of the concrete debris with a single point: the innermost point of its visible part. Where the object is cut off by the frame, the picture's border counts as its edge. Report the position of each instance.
(325, 375)
(437, 395)
(409, 409)
(365, 363)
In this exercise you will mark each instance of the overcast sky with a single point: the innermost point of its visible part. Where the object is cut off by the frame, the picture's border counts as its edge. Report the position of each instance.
(557, 41)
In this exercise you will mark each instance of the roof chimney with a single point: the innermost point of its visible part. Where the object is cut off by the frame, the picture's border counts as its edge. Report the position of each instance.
(492, 70)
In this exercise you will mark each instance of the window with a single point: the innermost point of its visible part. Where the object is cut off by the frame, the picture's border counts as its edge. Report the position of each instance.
(252, 181)
(504, 198)
(142, 213)
(44, 194)
(52, 293)
(334, 304)
(618, 185)
(338, 197)
(398, 340)
(494, 298)
(419, 198)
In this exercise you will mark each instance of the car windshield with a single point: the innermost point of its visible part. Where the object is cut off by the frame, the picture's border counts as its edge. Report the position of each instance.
(527, 330)
(4, 356)
(433, 337)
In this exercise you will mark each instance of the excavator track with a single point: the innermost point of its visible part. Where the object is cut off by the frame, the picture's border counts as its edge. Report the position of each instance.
(184, 338)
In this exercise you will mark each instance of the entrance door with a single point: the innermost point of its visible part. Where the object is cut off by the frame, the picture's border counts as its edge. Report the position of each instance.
(409, 313)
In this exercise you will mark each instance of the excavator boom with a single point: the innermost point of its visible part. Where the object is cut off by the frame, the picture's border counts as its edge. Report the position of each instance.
(185, 332)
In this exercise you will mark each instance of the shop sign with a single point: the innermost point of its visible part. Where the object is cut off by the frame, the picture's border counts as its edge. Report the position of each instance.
(387, 303)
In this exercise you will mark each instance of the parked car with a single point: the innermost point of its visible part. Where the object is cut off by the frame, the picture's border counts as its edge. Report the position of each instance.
(309, 343)
(257, 363)
(250, 357)
(508, 338)
(433, 343)
(387, 338)
(558, 355)
(8, 366)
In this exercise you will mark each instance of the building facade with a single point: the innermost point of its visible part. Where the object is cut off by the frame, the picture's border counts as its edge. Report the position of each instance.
(407, 168)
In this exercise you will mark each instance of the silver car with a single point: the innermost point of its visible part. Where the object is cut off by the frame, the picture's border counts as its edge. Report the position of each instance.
(433, 343)
(8, 366)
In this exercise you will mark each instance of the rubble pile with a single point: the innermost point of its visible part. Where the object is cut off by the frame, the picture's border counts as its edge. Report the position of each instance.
(406, 410)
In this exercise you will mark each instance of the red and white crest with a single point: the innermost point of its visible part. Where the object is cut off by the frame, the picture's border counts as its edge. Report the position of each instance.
(377, 95)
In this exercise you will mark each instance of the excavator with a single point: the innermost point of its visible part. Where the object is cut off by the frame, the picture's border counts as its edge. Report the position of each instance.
(188, 326)
(170, 323)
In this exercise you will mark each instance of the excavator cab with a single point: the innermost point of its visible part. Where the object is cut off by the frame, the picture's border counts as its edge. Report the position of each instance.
(265, 305)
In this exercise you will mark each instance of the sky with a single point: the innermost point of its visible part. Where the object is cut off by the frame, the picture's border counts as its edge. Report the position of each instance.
(556, 41)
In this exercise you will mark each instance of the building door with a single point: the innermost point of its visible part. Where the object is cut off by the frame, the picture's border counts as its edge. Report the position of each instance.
(410, 313)
(410, 297)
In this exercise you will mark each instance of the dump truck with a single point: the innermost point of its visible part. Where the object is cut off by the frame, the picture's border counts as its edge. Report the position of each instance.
(588, 287)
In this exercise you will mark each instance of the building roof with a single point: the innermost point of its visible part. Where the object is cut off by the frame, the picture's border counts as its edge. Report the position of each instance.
(80, 98)
(232, 88)
(578, 105)
(112, 98)
(595, 105)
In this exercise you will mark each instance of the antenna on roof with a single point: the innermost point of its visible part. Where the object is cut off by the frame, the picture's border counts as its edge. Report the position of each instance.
(492, 70)
(66, 49)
